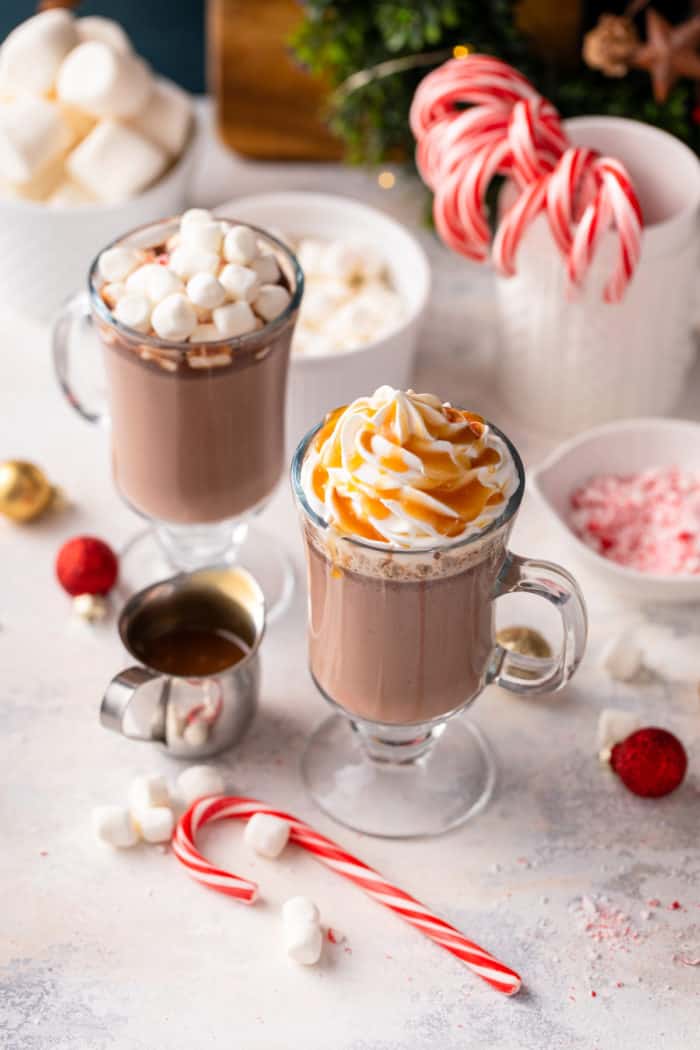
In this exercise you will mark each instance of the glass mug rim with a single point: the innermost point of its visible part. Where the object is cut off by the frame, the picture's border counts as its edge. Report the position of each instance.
(261, 336)
(493, 527)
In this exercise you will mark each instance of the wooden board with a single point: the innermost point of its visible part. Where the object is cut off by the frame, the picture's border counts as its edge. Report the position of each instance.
(267, 106)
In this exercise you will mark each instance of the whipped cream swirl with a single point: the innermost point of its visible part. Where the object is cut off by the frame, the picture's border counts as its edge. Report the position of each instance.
(404, 470)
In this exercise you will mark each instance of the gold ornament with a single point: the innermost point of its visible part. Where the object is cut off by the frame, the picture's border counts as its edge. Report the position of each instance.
(670, 52)
(611, 45)
(25, 492)
(90, 607)
(524, 640)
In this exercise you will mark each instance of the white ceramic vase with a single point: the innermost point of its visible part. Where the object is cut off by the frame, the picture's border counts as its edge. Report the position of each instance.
(568, 363)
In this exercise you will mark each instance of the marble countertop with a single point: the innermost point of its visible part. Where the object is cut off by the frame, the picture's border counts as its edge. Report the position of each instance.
(102, 949)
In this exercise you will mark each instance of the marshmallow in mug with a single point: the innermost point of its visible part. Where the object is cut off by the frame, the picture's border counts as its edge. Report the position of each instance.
(190, 289)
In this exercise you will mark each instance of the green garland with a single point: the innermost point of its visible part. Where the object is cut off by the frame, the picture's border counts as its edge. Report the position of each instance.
(337, 38)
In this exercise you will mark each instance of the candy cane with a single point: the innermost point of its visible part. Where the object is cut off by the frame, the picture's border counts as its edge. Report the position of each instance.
(214, 808)
(510, 130)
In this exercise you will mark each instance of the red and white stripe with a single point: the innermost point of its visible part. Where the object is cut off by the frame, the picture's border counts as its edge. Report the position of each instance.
(214, 808)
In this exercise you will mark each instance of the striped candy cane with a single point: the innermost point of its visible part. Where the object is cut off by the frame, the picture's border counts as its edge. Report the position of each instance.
(214, 808)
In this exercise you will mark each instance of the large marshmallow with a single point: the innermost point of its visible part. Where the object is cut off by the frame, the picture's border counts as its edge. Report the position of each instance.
(304, 942)
(106, 30)
(155, 824)
(614, 726)
(104, 82)
(205, 291)
(174, 318)
(115, 162)
(166, 118)
(69, 194)
(134, 311)
(621, 655)
(33, 52)
(33, 134)
(240, 245)
(299, 910)
(197, 781)
(240, 282)
(234, 319)
(114, 826)
(267, 834)
(271, 301)
(40, 187)
(115, 264)
(148, 791)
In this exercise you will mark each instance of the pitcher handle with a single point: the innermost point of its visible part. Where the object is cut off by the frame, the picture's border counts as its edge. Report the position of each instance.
(74, 313)
(119, 694)
(526, 674)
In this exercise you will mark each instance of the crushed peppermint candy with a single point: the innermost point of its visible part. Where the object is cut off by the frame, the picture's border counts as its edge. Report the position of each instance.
(648, 521)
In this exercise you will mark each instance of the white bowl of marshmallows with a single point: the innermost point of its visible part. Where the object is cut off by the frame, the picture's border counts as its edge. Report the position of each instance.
(366, 285)
(91, 144)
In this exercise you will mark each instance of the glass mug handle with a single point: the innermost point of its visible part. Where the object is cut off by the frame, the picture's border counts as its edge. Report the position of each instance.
(526, 674)
(75, 313)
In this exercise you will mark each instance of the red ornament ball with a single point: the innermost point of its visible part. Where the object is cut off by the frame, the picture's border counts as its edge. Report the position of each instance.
(86, 565)
(651, 762)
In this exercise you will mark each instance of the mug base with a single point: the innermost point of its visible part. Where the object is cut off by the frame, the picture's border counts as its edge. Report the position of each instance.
(144, 560)
(406, 790)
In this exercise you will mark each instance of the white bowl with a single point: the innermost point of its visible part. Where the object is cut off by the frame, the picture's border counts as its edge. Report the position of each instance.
(45, 252)
(318, 384)
(620, 448)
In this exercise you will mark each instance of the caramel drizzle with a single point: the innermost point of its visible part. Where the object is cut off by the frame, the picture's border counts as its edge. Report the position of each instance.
(447, 485)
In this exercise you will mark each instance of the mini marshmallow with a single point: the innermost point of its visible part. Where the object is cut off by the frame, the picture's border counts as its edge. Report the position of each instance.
(112, 292)
(240, 245)
(613, 726)
(304, 942)
(197, 781)
(148, 791)
(206, 333)
(271, 301)
(206, 291)
(104, 82)
(115, 264)
(134, 311)
(233, 320)
(299, 910)
(267, 269)
(33, 133)
(195, 215)
(186, 261)
(174, 318)
(202, 236)
(320, 300)
(162, 282)
(115, 162)
(137, 281)
(155, 824)
(33, 52)
(114, 826)
(344, 260)
(106, 30)
(310, 257)
(240, 282)
(166, 118)
(622, 656)
(267, 834)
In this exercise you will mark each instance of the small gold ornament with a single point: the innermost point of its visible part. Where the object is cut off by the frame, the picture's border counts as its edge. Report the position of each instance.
(25, 492)
(611, 45)
(524, 640)
(90, 607)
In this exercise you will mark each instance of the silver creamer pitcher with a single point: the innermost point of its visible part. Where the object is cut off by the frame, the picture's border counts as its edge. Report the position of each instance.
(192, 715)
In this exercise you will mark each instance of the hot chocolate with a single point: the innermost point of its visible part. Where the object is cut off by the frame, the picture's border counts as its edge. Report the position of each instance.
(404, 547)
(196, 320)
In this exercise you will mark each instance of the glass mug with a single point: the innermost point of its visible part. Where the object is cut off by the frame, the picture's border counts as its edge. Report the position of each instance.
(197, 432)
(401, 641)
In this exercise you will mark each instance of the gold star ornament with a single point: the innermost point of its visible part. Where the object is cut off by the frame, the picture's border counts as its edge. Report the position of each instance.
(669, 52)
